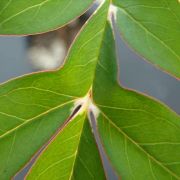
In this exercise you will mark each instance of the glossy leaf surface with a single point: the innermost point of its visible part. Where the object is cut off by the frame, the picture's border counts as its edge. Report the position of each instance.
(152, 28)
(36, 16)
(72, 155)
(33, 107)
(141, 136)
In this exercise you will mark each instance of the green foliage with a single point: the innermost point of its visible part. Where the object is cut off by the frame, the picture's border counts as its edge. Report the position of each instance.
(152, 29)
(36, 16)
(140, 135)
(78, 159)
(52, 109)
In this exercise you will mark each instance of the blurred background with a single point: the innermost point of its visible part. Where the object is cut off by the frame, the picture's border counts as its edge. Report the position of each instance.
(22, 55)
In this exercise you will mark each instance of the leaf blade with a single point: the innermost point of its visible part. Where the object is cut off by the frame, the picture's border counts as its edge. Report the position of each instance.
(17, 17)
(20, 144)
(135, 130)
(149, 35)
(33, 95)
(72, 151)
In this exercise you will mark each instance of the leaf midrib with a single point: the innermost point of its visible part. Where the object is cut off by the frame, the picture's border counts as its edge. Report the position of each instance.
(24, 10)
(32, 119)
(77, 151)
(139, 147)
(46, 112)
(141, 110)
(98, 55)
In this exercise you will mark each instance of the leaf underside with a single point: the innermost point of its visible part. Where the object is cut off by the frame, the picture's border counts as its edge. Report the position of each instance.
(72, 155)
(37, 105)
(37, 16)
(140, 135)
(152, 28)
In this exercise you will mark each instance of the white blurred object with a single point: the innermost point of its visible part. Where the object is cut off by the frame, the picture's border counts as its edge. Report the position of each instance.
(47, 51)
(99, 1)
(47, 58)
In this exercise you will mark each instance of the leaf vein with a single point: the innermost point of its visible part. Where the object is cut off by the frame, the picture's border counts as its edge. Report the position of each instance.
(149, 32)
(139, 147)
(31, 119)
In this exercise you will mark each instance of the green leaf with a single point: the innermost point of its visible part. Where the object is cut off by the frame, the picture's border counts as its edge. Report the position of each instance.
(23, 140)
(36, 16)
(140, 135)
(34, 107)
(73, 154)
(152, 29)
